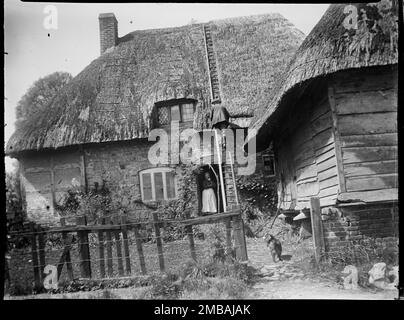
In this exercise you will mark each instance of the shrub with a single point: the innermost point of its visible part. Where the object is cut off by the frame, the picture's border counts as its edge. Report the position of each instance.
(15, 214)
(95, 203)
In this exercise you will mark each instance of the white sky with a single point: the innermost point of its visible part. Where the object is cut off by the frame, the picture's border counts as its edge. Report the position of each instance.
(31, 54)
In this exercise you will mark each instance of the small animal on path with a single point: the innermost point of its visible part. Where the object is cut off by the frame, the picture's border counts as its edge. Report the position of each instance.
(274, 246)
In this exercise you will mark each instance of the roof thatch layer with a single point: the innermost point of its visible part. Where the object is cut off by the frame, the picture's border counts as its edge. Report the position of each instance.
(251, 53)
(113, 98)
(331, 47)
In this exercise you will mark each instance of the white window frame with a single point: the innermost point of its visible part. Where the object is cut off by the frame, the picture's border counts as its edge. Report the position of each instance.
(152, 171)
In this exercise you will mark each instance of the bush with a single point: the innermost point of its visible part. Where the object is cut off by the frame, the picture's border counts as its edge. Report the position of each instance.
(14, 211)
(259, 192)
(94, 204)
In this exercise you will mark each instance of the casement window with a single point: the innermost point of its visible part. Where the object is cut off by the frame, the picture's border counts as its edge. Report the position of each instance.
(158, 184)
(269, 164)
(182, 112)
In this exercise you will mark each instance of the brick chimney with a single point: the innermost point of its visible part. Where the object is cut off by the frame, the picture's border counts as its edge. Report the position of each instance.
(108, 31)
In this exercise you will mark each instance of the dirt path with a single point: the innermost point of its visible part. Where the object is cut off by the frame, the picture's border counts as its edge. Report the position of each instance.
(307, 289)
(285, 280)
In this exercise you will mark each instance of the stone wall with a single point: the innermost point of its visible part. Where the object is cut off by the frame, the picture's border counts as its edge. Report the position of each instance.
(119, 165)
(46, 177)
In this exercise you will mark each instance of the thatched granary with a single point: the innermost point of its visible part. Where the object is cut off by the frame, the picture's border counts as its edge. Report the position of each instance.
(333, 123)
(97, 127)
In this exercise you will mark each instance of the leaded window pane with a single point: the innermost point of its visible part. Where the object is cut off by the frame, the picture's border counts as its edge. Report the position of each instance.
(187, 112)
(163, 115)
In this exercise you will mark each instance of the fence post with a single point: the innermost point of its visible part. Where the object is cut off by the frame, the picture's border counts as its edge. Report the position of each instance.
(109, 252)
(101, 249)
(126, 244)
(229, 246)
(317, 227)
(238, 231)
(159, 242)
(84, 249)
(190, 234)
(118, 244)
(35, 262)
(41, 251)
(66, 254)
(140, 249)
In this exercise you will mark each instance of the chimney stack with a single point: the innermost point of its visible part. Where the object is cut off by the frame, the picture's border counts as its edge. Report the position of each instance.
(108, 31)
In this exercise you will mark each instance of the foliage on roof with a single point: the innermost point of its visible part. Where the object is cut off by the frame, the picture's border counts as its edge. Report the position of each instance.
(332, 47)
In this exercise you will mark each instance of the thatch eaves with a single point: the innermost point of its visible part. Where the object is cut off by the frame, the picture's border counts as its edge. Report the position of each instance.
(112, 98)
(329, 48)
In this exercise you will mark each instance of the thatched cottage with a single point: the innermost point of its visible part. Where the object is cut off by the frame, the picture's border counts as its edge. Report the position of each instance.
(333, 123)
(97, 127)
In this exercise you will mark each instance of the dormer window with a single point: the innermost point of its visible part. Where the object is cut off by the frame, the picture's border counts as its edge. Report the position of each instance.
(182, 111)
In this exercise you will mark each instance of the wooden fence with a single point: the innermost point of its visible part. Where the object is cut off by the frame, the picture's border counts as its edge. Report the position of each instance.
(113, 231)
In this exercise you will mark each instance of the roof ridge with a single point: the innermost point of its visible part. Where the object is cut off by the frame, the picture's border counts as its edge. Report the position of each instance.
(273, 15)
(256, 17)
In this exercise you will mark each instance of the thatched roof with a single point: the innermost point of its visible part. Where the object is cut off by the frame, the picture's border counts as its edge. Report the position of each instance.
(112, 99)
(251, 53)
(329, 48)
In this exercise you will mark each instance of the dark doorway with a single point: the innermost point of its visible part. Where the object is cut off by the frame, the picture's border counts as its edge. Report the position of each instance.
(214, 172)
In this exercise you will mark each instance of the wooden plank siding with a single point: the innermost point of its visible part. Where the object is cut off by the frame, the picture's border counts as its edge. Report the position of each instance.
(285, 169)
(324, 144)
(308, 146)
(366, 107)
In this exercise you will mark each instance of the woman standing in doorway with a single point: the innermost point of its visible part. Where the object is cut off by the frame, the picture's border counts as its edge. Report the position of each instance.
(208, 195)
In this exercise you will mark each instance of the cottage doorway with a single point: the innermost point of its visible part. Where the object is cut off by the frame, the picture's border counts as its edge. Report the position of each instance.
(213, 171)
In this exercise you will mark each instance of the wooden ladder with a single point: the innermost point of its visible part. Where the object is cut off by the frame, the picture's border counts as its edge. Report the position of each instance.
(214, 79)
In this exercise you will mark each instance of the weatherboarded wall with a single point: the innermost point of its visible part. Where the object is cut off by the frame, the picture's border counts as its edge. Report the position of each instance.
(306, 158)
(366, 115)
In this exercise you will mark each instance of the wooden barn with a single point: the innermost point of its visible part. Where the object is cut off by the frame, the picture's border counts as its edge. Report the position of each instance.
(96, 129)
(333, 123)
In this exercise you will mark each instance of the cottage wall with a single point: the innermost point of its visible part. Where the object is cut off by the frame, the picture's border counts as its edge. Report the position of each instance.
(46, 176)
(305, 153)
(119, 165)
(365, 103)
